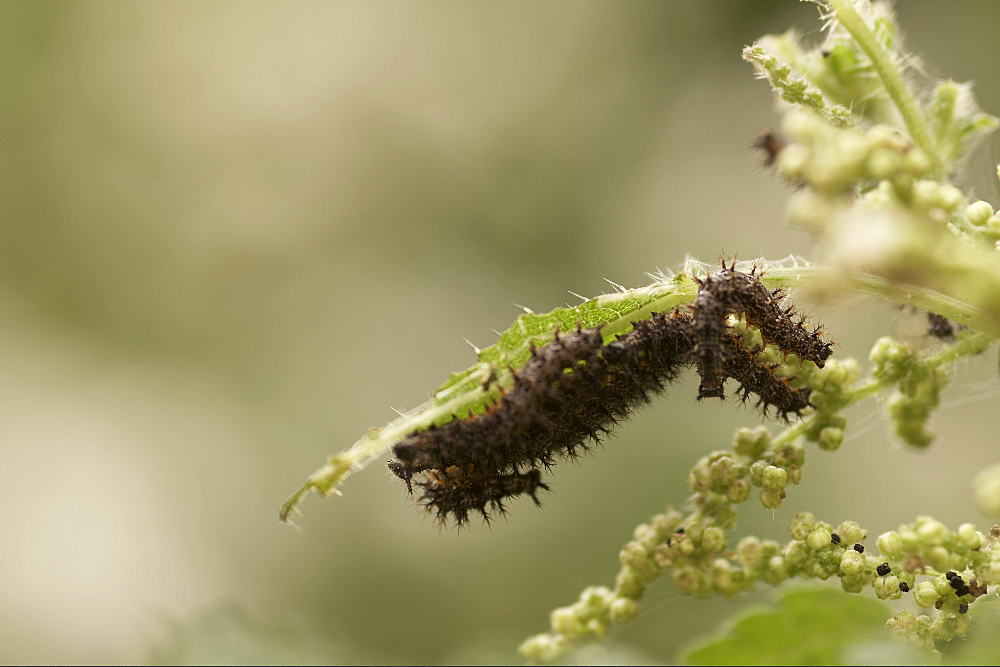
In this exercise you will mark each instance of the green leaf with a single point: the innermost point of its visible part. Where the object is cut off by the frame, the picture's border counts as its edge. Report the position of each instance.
(808, 626)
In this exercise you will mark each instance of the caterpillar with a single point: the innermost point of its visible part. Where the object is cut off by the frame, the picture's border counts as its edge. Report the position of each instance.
(575, 389)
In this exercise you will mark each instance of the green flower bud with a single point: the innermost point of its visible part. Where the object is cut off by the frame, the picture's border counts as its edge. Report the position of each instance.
(629, 583)
(596, 598)
(713, 540)
(666, 524)
(820, 572)
(908, 540)
(819, 539)
(738, 491)
(777, 570)
(830, 438)
(887, 587)
(852, 563)
(750, 552)
(889, 544)
(774, 478)
(904, 623)
(757, 473)
(930, 532)
(925, 594)
(802, 525)
(564, 620)
(751, 442)
(596, 628)
(971, 537)
(633, 555)
(664, 556)
(725, 516)
(986, 487)
(917, 162)
(685, 545)
(978, 213)
(623, 610)
(700, 478)
(881, 163)
(797, 552)
(687, 580)
(723, 579)
(852, 584)
(942, 586)
(949, 197)
(850, 532)
(646, 536)
(694, 531)
(771, 498)
(543, 649)
(939, 558)
(945, 627)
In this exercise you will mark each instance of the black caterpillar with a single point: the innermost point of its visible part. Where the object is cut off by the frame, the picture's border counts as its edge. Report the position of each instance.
(575, 390)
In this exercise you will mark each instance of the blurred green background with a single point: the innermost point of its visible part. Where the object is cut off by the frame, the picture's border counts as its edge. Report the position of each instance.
(235, 234)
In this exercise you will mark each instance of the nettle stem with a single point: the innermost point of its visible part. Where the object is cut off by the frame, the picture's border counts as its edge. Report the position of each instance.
(885, 65)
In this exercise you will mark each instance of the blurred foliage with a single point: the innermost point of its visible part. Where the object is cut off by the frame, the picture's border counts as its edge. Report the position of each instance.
(807, 626)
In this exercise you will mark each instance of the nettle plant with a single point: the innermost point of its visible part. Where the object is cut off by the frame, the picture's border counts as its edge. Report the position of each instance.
(872, 146)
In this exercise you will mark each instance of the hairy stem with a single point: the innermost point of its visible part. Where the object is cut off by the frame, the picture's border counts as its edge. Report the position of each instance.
(892, 78)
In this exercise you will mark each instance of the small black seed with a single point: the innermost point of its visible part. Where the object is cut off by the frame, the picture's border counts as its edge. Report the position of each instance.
(905, 587)
(950, 575)
(835, 538)
(939, 603)
(883, 569)
(963, 608)
(859, 548)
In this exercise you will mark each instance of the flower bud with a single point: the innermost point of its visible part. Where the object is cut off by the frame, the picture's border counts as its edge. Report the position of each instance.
(797, 552)
(819, 539)
(543, 649)
(713, 540)
(889, 544)
(751, 442)
(904, 623)
(986, 487)
(852, 563)
(738, 491)
(971, 537)
(887, 587)
(633, 555)
(978, 213)
(771, 498)
(925, 594)
(802, 525)
(564, 620)
(623, 610)
(687, 580)
(750, 552)
(931, 532)
(938, 557)
(774, 478)
(850, 532)
(830, 438)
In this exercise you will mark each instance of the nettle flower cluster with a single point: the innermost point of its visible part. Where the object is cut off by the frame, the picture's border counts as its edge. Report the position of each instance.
(871, 164)
(694, 549)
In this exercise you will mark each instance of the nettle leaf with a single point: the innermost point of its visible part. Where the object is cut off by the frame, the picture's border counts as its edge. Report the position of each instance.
(808, 626)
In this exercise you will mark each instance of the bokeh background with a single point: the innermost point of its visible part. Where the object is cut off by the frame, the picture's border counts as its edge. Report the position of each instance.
(235, 234)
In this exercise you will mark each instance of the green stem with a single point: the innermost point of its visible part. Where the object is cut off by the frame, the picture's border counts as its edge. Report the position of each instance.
(892, 79)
